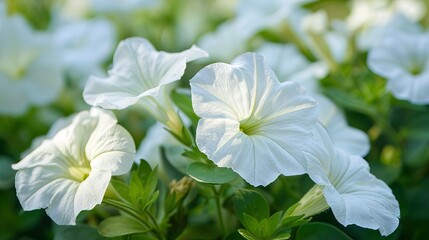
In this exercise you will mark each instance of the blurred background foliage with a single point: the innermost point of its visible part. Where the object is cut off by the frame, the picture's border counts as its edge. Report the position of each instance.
(398, 130)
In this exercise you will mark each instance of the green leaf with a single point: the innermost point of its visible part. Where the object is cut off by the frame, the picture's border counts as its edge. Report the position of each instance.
(273, 222)
(121, 188)
(210, 173)
(184, 102)
(135, 190)
(173, 158)
(247, 235)
(251, 203)
(318, 231)
(250, 223)
(77, 232)
(350, 102)
(120, 226)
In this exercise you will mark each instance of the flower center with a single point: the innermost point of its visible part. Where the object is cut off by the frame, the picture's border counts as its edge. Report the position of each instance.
(415, 70)
(250, 126)
(79, 174)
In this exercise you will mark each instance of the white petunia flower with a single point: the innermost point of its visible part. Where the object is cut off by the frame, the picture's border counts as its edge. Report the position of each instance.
(403, 59)
(251, 122)
(70, 172)
(345, 184)
(290, 65)
(139, 75)
(84, 46)
(30, 73)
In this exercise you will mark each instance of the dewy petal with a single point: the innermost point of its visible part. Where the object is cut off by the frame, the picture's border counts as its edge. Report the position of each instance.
(251, 122)
(353, 193)
(138, 71)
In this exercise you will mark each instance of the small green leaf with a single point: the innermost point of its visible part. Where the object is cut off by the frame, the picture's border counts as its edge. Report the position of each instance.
(250, 223)
(318, 230)
(121, 188)
(251, 203)
(273, 222)
(77, 232)
(210, 173)
(120, 226)
(282, 234)
(184, 102)
(247, 235)
(135, 190)
(293, 221)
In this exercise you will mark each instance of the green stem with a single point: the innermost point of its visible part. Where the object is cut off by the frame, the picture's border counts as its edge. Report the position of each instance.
(219, 210)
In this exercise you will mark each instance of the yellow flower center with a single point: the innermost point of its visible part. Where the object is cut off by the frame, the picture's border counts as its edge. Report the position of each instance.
(79, 174)
(250, 126)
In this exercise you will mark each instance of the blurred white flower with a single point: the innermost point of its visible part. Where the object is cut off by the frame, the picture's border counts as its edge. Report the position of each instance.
(328, 40)
(221, 46)
(139, 75)
(349, 189)
(369, 13)
(70, 172)
(30, 73)
(266, 14)
(84, 46)
(251, 122)
(121, 5)
(374, 36)
(367, 16)
(403, 59)
(290, 65)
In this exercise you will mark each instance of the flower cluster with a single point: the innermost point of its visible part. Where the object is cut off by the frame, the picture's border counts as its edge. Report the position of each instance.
(281, 100)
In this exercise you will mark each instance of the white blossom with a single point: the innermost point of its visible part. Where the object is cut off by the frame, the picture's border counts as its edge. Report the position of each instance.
(350, 190)
(84, 46)
(403, 59)
(139, 75)
(251, 122)
(30, 73)
(70, 172)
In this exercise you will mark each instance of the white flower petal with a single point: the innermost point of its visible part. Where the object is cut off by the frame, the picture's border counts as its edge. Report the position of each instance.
(344, 137)
(91, 191)
(138, 71)
(353, 193)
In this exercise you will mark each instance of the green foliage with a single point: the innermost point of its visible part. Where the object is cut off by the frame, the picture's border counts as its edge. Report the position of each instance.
(316, 230)
(77, 232)
(184, 103)
(253, 212)
(210, 173)
(119, 226)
